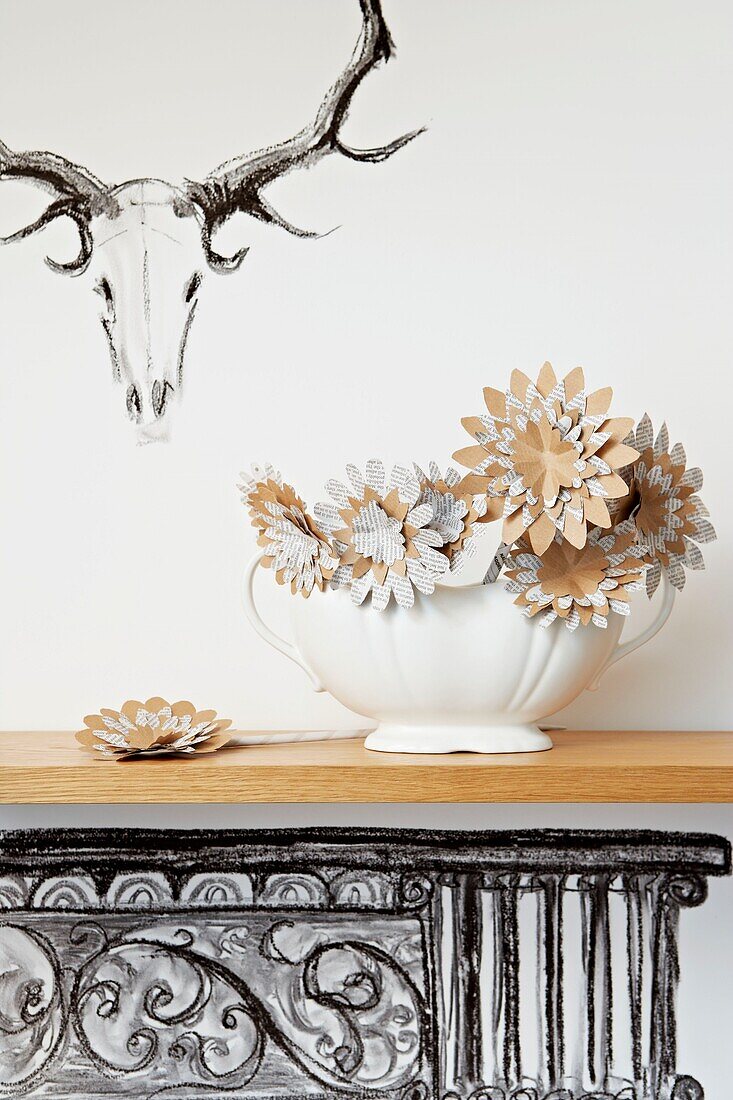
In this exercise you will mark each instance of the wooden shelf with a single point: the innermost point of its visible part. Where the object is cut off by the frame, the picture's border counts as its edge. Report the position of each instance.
(584, 766)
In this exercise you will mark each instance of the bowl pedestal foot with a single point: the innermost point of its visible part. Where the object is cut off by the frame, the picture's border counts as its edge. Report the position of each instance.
(390, 737)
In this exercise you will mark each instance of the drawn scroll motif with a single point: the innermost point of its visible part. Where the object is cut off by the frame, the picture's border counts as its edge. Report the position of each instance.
(160, 1010)
(344, 1011)
(32, 1017)
(415, 891)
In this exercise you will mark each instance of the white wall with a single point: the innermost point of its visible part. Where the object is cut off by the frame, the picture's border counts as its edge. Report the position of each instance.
(570, 201)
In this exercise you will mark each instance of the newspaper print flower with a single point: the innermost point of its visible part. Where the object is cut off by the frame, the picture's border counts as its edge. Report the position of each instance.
(456, 513)
(580, 586)
(295, 547)
(382, 534)
(154, 728)
(663, 500)
(553, 452)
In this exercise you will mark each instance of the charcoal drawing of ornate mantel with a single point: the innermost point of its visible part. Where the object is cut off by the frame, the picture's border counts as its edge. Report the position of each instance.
(148, 243)
(385, 963)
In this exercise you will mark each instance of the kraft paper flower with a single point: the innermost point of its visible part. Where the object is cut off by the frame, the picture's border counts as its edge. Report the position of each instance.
(456, 513)
(296, 548)
(259, 478)
(552, 451)
(669, 515)
(579, 586)
(383, 536)
(154, 728)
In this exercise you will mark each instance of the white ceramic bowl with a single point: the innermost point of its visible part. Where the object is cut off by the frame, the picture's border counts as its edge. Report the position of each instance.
(463, 670)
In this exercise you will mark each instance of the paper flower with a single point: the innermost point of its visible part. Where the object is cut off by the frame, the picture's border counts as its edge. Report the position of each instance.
(383, 536)
(154, 728)
(552, 451)
(296, 548)
(259, 475)
(663, 502)
(455, 512)
(578, 585)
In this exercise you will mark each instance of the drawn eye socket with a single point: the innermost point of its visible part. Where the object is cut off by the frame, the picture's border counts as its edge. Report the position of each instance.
(105, 290)
(192, 286)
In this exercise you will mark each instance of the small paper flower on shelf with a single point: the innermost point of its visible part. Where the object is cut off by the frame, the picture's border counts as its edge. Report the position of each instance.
(579, 586)
(552, 452)
(455, 512)
(383, 536)
(296, 548)
(154, 728)
(663, 502)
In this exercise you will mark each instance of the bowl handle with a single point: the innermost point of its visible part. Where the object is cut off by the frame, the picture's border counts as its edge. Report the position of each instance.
(622, 650)
(273, 639)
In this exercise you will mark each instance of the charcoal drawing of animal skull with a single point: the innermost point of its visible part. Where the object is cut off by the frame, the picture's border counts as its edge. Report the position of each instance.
(146, 245)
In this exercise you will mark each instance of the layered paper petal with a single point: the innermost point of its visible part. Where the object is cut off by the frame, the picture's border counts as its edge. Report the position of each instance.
(296, 548)
(554, 452)
(578, 585)
(662, 500)
(154, 728)
(386, 534)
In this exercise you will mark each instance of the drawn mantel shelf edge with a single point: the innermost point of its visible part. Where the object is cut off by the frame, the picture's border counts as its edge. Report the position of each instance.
(585, 766)
(391, 963)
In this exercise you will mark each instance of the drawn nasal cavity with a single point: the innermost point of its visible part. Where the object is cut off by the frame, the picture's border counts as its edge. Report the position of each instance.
(134, 404)
(159, 395)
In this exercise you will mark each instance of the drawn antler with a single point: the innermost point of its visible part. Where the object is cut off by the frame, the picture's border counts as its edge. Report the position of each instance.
(148, 293)
(237, 185)
(77, 195)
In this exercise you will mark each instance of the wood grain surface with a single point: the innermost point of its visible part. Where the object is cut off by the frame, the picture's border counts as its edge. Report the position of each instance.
(584, 766)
